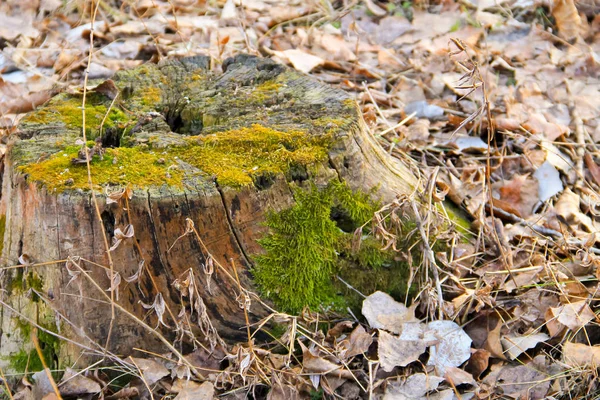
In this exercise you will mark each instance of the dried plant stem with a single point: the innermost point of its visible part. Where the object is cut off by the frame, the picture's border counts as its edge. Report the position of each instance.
(95, 5)
(38, 349)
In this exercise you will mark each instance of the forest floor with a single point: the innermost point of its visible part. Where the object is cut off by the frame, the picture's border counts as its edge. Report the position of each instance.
(495, 102)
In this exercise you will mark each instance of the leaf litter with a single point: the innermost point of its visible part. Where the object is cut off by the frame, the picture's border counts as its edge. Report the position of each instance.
(496, 102)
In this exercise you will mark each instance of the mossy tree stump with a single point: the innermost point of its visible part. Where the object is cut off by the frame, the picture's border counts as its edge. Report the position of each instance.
(218, 149)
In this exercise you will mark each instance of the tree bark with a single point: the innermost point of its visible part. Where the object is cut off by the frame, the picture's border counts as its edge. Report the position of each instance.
(47, 212)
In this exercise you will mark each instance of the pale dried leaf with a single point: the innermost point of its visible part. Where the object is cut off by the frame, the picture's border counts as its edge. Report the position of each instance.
(415, 386)
(75, 384)
(574, 315)
(190, 390)
(453, 347)
(549, 183)
(515, 345)
(567, 18)
(301, 60)
(152, 371)
(397, 352)
(383, 312)
(581, 355)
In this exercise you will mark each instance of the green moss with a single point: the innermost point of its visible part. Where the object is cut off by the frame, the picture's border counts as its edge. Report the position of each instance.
(66, 109)
(300, 255)
(310, 243)
(236, 158)
(30, 361)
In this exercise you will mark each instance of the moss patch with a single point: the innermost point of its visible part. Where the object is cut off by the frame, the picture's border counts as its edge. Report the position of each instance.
(310, 243)
(66, 109)
(236, 158)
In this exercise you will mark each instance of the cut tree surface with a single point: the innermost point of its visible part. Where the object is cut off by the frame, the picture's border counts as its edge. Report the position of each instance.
(219, 150)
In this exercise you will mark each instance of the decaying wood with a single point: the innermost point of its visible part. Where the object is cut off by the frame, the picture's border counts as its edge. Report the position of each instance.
(46, 224)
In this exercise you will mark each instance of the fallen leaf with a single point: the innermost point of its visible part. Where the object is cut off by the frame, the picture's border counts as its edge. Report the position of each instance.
(529, 381)
(190, 390)
(383, 312)
(515, 345)
(300, 60)
(397, 352)
(574, 315)
(152, 371)
(75, 384)
(549, 183)
(567, 18)
(581, 355)
(357, 343)
(415, 386)
(453, 345)
(457, 376)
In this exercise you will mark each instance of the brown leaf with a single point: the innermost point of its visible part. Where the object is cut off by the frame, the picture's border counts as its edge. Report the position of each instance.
(152, 371)
(478, 363)
(457, 376)
(190, 390)
(567, 18)
(396, 352)
(357, 343)
(581, 355)
(75, 384)
(592, 167)
(383, 312)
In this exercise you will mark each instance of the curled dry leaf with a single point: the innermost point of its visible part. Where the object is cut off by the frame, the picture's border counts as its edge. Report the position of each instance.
(190, 390)
(159, 307)
(567, 18)
(414, 387)
(573, 315)
(115, 282)
(75, 384)
(395, 351)
(120, 236)
(453, 345)
(515, 345)
(580, 355)
(152, 371)
(138, 273)
(383, 312)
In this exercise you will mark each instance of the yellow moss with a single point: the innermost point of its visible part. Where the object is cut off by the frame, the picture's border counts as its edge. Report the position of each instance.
(67, 110)
(264, 91)
(151, 96)
(234, 157)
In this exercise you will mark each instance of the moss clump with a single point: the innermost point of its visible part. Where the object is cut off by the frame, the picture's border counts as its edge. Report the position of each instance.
(235, 158)
(30, 361)
(66, 109)
(310, 243)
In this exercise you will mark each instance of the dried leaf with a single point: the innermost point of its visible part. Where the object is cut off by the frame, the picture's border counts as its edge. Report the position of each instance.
(397, 352)
(301, 60)
(75, 384)
(357, 343)
(152, 371)
(581, 355)
(515, 345)
(119, 236)
(453, 345)
(134, 278)
(414, 387)
(574, 315)
(190, 390)
(383, 312)
(567, 18)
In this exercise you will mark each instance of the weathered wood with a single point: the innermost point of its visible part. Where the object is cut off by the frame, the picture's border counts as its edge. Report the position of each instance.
(169, 113)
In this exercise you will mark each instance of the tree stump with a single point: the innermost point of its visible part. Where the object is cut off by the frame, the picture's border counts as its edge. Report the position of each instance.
(217, 151)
